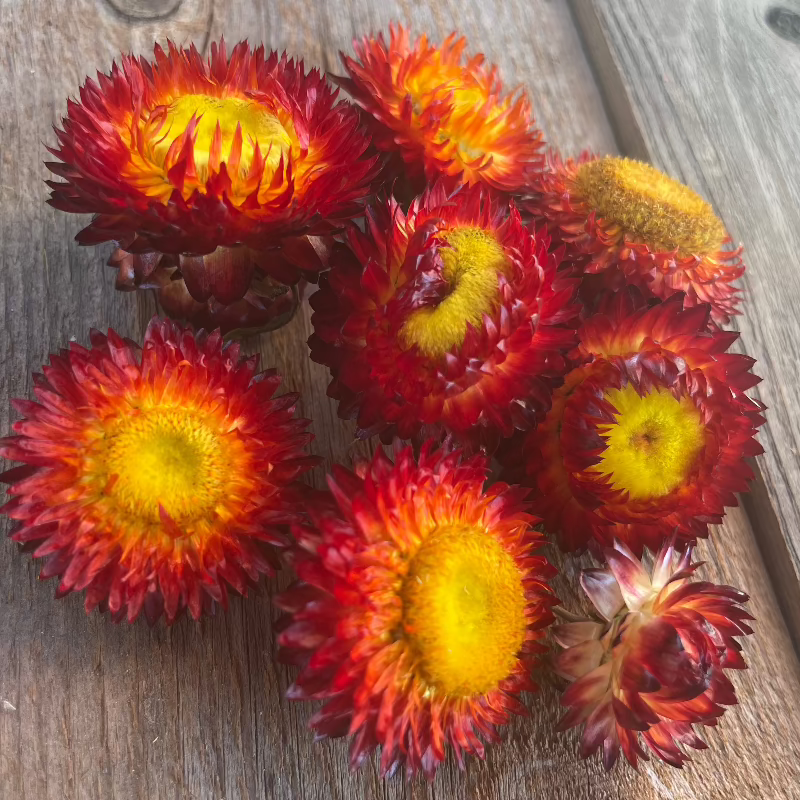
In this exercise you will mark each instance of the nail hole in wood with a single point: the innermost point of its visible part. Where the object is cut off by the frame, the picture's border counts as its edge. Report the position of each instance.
(785, 22)
(145, 10)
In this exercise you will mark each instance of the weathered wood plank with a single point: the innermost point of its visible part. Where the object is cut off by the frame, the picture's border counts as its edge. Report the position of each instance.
(91, 710)
(708, 92)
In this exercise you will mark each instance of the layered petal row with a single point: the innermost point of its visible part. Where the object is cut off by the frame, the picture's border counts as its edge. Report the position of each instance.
(180, 155)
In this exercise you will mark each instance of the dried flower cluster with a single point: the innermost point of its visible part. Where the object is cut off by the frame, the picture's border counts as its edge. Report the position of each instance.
(475, 298)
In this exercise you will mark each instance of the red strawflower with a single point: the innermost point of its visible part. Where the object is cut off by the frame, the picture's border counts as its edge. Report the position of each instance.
(450, 315)
(200, 170)
(654, 662)
(155, 482)
(649, 435)
(419, 611)
(624, 222)
(442, 116)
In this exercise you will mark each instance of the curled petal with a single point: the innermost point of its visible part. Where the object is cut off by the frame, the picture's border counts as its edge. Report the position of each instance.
(630, 576)
(570, 634)
(577, 661)
(603, 590)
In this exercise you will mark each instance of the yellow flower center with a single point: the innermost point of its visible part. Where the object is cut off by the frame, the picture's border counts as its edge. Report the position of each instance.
(471, 263)
(464, 611)
(167, 457)
(650, 207)
(654, 443)
(259, 127)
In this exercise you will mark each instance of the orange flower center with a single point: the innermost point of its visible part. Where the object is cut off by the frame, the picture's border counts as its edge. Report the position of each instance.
(650, 207)
(472, 260)
(170, 458)
(464, 611)
(654, 443)
(475, 119)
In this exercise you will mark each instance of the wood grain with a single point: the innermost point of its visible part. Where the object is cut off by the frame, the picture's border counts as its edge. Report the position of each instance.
(709, 92)
(93, 711)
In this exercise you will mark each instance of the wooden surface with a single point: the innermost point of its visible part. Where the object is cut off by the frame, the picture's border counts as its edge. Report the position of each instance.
(709, 91)
(96, 711)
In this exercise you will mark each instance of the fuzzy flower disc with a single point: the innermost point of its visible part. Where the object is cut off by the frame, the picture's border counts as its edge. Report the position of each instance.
(451, 315)
(155, 482)
(419, 610)
(625, 222)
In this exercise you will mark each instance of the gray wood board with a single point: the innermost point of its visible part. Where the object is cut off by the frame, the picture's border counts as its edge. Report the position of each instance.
(90, 710)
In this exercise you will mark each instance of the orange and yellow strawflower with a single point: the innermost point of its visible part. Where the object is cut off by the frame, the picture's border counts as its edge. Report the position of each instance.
(207, 172)
(155, 481)
(626, 222)
(650, 433)
(419, 610)
(438, 114)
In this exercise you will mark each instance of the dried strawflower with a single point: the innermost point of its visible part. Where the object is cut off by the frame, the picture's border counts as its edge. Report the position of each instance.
(156, 482)
(451, 315)
(201, 169)
(443, 116)
(625, 222)
(419, 610)
(654, 661)
(649, 435)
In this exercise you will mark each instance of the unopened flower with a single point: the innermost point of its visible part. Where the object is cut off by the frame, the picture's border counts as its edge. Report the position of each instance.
(444, 116)
(201, 169)
(652, 665)
(649, 435)
(625, 222)
(451, 315)
(419, 610)
(154, 482)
